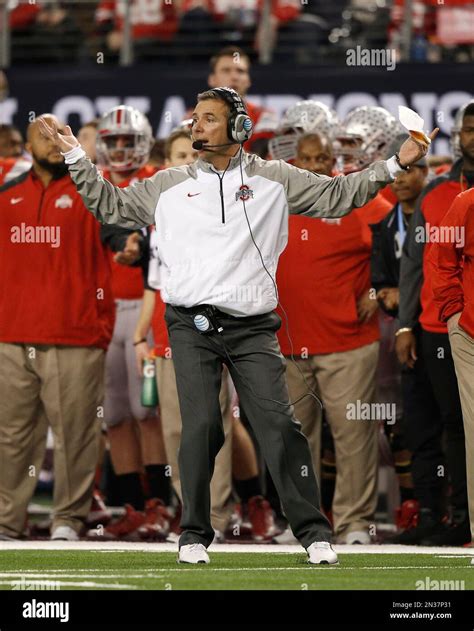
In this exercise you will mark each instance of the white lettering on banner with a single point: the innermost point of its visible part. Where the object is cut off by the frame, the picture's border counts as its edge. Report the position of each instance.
(80, 105)
(327, 99)
(8, 110)
(391, 100)
(176, 106)
(428, 104)
(87, 109)
(105, 103)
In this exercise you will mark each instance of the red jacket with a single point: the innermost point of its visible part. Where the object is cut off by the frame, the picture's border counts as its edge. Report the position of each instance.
(127, 282)
(55, 274)
(11, 168)
(453, 263)
(434, 202)
(321, 274)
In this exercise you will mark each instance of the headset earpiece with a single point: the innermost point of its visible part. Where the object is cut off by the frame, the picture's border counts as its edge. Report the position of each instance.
(239, 124)
(242, 128)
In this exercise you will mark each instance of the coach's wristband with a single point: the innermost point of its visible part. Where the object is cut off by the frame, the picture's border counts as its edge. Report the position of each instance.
(393, 167)
(73, 155)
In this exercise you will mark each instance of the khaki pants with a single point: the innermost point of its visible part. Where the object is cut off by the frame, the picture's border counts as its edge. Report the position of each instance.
(221, 484)
(462, 347)
(342, 378)
(65, 386)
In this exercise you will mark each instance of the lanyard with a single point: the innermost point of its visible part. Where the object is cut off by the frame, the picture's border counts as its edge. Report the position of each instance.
(401, 225)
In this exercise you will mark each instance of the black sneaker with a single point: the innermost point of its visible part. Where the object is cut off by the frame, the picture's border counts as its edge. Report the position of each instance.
(457, 534)
(428, 525)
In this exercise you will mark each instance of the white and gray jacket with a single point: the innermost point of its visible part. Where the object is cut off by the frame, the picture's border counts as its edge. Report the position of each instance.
(204, 241)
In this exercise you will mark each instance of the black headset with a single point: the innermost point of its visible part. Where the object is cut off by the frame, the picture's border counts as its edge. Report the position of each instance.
(239, 124)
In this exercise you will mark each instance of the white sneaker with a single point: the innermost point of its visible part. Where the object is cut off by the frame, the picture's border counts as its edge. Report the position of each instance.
(358, 536)
(321, 553)
(193, 553)
(64, 533)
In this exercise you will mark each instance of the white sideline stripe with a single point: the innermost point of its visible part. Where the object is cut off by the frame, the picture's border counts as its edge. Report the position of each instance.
(81, 584)
(55, 574)
(124, 546)
(49, 575)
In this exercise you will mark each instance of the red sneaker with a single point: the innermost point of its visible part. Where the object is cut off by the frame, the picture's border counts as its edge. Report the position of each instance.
(406, 517)
(240, 525)
(157, 521)
(261, 517)
(99, 513)
(124, 528)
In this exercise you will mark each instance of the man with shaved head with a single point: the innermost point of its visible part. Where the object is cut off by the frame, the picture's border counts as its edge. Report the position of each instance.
(53, 338)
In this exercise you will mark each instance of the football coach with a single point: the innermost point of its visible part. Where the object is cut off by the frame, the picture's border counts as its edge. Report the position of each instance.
(222, 223)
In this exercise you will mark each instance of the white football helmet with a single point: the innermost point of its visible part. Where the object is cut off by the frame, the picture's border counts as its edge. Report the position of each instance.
(455, 138)
(366, 134)
(124, 139)
(302, 118)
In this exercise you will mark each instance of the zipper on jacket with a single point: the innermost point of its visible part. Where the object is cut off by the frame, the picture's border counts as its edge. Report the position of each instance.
(221, 190)
(40, 205)
(222, 199)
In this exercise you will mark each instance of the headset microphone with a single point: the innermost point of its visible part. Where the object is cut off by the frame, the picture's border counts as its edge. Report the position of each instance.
(199, 144)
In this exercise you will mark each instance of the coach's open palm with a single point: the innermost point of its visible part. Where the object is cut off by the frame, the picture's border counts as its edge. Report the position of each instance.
(64, 139)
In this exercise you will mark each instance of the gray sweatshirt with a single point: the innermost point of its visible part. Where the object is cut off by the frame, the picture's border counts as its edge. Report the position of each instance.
(202, 217)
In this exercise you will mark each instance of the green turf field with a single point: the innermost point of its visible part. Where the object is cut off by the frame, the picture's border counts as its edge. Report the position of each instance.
(72, 569)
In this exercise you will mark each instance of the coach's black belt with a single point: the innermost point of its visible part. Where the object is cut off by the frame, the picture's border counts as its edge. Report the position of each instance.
(200, 308)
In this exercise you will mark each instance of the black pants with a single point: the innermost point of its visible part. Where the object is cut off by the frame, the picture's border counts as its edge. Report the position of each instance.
(442, 375)
(257, 370)
(431, 407)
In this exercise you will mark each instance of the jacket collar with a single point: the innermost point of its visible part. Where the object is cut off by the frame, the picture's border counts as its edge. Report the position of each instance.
(207, 167)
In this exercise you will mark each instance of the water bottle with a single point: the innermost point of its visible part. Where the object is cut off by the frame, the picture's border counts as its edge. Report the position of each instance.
(149, 396)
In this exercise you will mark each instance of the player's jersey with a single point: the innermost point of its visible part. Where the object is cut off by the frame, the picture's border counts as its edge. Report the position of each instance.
(127, 282)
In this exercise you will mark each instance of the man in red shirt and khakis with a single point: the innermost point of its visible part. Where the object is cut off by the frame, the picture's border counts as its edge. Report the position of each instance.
(453, 286)
(324, 287)
(56, 321)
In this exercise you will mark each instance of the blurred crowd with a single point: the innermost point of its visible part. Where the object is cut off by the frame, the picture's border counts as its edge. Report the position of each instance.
(361, 327)
(297, 32)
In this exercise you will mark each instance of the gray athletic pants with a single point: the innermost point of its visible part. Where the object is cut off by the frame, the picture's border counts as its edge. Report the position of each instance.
(257, 365)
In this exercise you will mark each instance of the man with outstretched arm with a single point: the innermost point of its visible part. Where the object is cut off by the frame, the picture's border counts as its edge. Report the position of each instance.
(222, 224)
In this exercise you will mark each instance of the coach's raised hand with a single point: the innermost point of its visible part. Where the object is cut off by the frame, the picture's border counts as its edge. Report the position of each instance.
(63, 138)
(413, 150)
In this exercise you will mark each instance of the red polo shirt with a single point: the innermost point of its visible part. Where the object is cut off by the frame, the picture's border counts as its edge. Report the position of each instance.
(323, 271)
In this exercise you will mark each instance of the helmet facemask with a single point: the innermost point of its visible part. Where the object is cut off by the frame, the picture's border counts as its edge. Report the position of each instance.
(124, 139)
(123, 152)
